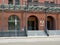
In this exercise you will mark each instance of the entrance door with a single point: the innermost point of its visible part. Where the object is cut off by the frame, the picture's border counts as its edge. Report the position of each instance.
(50, 23)
(32, 23)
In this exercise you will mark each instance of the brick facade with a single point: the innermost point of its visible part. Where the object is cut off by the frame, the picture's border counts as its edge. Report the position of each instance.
(40, 16)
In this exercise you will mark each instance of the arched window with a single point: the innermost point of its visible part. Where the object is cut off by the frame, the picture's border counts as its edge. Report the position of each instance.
(13, 23)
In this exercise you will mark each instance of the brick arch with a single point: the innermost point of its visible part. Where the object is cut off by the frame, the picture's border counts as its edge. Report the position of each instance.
(32, 15)
(52, 16)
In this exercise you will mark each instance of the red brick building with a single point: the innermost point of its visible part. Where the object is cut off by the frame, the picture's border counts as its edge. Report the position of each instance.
(17, 14)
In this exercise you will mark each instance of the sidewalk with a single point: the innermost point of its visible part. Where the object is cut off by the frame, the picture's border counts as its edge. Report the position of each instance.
(28, 39)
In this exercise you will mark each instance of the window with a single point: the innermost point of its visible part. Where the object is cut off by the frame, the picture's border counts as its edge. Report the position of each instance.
(46, 3)
(10, 1)
(52, 4)
(35, 2)
(29, 1)
(13, 23)
(17, 2)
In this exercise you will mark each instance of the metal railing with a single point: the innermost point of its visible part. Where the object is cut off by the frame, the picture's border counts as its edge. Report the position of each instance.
(10, 33)
(16, 33)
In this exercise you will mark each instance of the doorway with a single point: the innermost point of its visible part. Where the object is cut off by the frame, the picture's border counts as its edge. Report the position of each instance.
(50, 23)
(32, 23)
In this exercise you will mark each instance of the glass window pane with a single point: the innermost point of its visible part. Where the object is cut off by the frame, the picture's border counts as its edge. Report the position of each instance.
(13, 23)
(17, 2)
(10, 1)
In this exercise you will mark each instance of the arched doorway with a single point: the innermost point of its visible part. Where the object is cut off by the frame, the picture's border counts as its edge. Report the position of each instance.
(50, 23)
(13, 22)
(32, 23)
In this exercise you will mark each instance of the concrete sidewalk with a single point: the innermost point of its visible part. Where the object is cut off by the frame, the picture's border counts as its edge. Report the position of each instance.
(29, 39)
(42, 40)
(33, 43)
